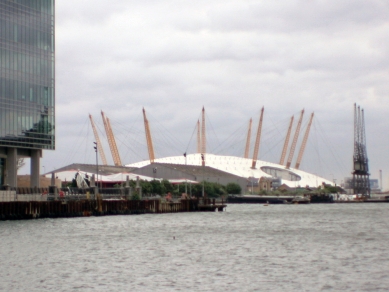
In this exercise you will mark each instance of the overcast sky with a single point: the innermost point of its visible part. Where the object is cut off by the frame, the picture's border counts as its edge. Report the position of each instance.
(232, 57)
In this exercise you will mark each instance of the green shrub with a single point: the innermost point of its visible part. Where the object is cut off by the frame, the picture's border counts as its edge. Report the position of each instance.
(135, 197)
(233, 188)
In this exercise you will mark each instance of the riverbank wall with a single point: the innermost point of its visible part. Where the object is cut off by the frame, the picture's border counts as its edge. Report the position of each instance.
(83, 208)
(287, 199)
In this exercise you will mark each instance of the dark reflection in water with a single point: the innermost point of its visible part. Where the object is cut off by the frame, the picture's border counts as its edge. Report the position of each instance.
(248, 248)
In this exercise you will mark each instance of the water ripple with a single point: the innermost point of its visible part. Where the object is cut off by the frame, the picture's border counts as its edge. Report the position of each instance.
(248, 248)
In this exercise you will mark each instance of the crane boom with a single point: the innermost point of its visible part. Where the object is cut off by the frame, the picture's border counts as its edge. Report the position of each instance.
(99, 146)
(295, 138)
(247, 149)
(203, 137)
(111, 141)
(257, 140)
(302, 148)
(148, 138)
(286, 144)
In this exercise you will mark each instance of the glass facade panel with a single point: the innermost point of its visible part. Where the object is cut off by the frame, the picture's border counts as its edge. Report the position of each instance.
(27, 92)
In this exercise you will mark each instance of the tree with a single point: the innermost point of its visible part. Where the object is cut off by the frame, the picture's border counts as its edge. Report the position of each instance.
(220, 190)
(197, 190)
(146, 187)
(211, 189)
(168, 186)
(20, 163)
(135, 196)
(331, 189)
(233, 188)
(157, 187)
(132, 183)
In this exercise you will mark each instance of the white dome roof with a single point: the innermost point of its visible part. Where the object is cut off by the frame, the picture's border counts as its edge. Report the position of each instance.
(242, 167)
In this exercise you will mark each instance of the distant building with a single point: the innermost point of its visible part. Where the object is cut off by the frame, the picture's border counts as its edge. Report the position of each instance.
(276, 183)
(27, 92)
(255, 185)
(252, 185)
(348, 185)
(265, 183)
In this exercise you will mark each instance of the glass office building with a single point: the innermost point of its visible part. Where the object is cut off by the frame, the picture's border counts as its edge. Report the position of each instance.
(27, 91)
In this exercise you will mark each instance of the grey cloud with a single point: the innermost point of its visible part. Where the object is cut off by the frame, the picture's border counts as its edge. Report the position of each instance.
(233, 57)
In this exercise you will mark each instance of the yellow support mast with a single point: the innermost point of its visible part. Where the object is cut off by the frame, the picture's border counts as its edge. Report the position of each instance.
(111, 141)
(99, 146)
(148, 138)
(257, 140)
(286, 144)
(198, 137)
(295, 138)
(247, 149)
(302, 148)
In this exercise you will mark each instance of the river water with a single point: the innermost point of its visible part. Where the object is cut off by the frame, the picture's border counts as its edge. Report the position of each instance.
(332, 247)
